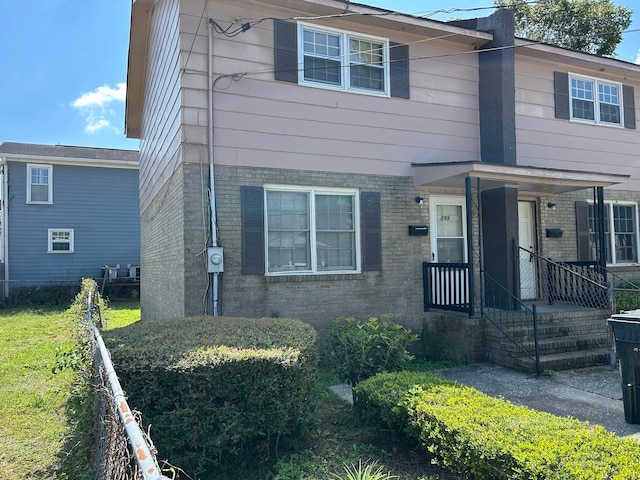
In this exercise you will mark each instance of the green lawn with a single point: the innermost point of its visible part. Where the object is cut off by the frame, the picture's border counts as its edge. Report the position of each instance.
(32, 406)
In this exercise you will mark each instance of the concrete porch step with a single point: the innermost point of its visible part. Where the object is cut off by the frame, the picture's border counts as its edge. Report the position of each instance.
(562, 344)
(567, 360)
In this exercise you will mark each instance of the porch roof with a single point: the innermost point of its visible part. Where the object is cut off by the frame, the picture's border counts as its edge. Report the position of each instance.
(525, 179)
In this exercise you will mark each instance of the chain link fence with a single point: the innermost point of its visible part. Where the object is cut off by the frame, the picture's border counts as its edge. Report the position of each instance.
(123, 451)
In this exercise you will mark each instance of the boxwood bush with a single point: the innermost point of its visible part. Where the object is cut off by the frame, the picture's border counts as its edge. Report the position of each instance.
(488, 438)
(212, 388)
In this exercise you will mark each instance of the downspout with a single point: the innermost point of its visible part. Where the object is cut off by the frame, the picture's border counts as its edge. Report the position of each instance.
(4, 208)
(214, 253)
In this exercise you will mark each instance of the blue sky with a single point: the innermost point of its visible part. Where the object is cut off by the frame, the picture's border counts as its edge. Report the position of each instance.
(65, 64)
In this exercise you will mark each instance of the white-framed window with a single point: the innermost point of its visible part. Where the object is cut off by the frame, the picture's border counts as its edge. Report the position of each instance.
(60, 240)
(595, 101)
(343, 60)
(311, 230)
(39, 183)
(620, 232)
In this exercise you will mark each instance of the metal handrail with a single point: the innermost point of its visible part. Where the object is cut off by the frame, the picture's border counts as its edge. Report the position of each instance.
(523, 306)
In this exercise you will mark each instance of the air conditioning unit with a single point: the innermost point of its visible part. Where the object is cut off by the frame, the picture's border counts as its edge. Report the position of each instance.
(111, 272)
(134, 272)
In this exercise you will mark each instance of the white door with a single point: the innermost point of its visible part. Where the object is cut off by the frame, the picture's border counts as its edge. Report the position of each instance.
(449, 285)
(448, 229)
(526, 234)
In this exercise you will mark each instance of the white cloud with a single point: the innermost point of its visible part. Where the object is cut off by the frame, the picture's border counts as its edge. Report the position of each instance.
(94, 106)
(638, 58)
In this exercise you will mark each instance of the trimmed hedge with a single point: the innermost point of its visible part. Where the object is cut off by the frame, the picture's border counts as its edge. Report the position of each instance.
(213, 388)
(489, 438)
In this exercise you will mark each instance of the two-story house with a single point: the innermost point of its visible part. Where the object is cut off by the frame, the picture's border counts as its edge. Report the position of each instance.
(67, 213)
(322, 158)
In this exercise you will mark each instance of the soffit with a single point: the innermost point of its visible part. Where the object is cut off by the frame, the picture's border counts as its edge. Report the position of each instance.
(525, 179)
(137, 65)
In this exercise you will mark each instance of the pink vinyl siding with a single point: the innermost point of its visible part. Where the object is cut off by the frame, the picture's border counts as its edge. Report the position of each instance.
(544, 141)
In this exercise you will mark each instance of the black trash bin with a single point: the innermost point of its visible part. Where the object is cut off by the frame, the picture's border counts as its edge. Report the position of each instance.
(626, 330)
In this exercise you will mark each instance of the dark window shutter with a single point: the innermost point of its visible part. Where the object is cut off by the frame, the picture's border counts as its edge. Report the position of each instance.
(561, 92)
(285, 41)
(629, 107)
(371, 231)
(399, 69)
(252, 215)
(582, 232)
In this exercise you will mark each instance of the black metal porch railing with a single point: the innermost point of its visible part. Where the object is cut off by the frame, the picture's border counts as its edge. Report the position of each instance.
(572, 284)
(512, 318)
(448, 286)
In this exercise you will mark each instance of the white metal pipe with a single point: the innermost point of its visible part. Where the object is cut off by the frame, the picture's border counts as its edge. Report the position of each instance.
(147, 463)
(5, 223)
(212, 188)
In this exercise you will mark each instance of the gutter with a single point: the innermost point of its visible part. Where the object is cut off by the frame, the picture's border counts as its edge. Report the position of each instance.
(4, 209)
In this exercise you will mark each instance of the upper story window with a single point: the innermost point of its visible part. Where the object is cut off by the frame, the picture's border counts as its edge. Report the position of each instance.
(596, 101)
(39, 183)
(343, 60)
(620, 232)
(311, 230)
(60, 240)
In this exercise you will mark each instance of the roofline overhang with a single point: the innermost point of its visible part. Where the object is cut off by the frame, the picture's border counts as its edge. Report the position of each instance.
(137, 65)
(572, 58)
(525, 179)
(75, 161)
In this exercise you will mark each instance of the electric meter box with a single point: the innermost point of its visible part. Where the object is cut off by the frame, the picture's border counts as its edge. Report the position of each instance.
(215, 260)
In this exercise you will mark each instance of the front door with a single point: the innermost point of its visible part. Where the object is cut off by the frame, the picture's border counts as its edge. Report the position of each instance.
(526, 234)
(448, 229)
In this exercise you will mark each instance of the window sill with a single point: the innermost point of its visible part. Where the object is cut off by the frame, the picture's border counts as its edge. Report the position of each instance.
(313, 277)
(60, 251)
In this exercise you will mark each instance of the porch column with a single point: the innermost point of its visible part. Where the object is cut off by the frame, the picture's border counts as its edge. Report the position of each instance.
(500, 231)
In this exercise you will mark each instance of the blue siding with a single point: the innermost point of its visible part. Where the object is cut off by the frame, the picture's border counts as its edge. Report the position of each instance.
(100, 204)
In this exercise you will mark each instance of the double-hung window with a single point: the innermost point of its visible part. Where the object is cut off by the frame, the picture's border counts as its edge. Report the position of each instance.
(594, 100)
(60, 240)
(310, 230)
(343, 60)
(620, 232)
(39, 184)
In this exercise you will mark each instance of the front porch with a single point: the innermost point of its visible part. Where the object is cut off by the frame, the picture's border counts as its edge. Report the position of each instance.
(502, 298)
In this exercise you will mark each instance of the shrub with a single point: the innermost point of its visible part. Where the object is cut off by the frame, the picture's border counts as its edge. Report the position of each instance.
(628, 299)
(489, 438)
(363, 348)
(379, 400)
(214, 388)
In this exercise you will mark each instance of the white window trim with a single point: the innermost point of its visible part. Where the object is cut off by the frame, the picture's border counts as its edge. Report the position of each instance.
(313, 191)
(611, 237)
(344, 55)
(31, 166)
(596, 101)
(50, 240)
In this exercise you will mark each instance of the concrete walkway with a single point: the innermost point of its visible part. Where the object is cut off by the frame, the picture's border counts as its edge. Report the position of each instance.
(591, 394)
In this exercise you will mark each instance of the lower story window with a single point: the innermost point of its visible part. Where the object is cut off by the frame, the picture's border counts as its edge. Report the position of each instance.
(60, 240)
(620, 232)
(311, 230)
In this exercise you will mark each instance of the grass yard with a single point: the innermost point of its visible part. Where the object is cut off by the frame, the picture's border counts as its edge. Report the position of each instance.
(33, 419)
(32, 410)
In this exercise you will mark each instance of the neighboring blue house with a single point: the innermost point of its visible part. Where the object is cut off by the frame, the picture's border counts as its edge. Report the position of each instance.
(67, 212)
